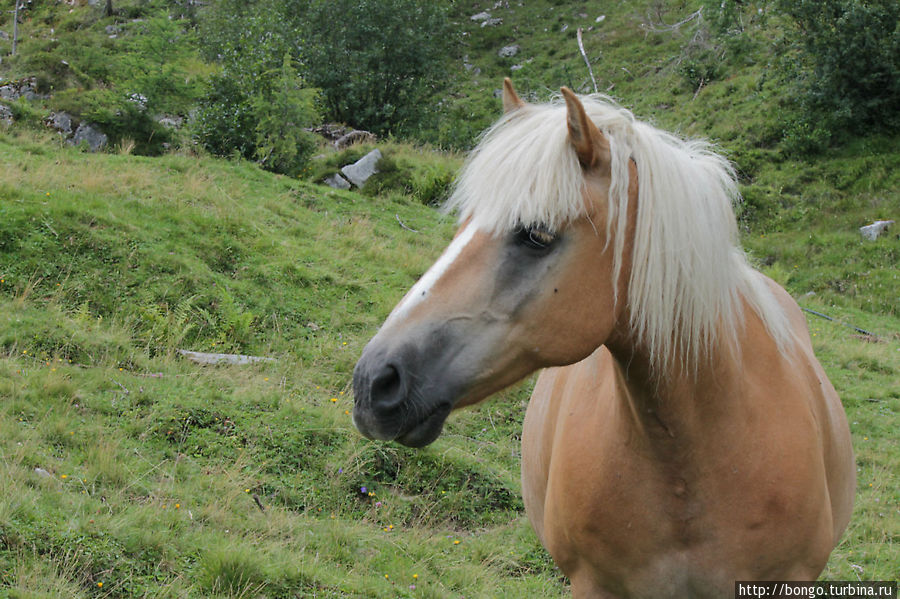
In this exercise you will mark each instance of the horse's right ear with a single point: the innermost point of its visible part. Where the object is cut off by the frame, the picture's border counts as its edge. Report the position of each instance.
(511, 100)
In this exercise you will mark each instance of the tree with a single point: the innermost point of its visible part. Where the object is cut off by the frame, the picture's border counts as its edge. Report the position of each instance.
(375, 60)
(849, 62)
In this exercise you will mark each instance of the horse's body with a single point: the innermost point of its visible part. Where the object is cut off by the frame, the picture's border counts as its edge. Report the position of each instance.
(683, 436)
(679, 491)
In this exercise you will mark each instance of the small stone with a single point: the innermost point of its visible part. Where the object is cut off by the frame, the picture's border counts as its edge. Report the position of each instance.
(509, 51)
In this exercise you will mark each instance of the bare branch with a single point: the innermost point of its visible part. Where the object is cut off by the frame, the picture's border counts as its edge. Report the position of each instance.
(586, 61)
(662, 27)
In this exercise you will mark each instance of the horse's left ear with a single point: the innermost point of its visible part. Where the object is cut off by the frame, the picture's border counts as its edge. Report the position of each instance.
(590, 145)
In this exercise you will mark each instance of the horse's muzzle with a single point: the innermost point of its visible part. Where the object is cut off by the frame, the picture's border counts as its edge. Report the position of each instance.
(396, 398)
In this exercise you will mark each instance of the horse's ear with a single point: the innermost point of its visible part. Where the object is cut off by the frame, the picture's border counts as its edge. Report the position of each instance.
(511, 100)
(590, 145)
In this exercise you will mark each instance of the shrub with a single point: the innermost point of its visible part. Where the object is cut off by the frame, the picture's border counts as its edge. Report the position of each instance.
(116, 115)
(375, 60)
(260, 116)
(848, 67)
(258, 106)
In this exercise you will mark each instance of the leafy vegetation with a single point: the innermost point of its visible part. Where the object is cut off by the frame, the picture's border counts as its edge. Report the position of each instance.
(848, 63)
(377, 61)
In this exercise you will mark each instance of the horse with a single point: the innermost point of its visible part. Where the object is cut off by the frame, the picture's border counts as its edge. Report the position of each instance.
(681, 435)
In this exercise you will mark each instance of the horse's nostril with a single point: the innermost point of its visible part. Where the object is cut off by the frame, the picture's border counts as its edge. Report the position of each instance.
(386, 390)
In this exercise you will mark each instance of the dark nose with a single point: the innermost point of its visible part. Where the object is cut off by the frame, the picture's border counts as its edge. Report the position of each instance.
(386, 393)
(381, 393)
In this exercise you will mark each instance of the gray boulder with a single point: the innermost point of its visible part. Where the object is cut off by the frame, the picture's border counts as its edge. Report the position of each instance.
(6, 115)
(360, 171)
(170, 122)
(482, 16)
(337, 182)
(60, 121)
(9, 92)
(871, 232)
(355, 136)
(94, 139)
(24, 88)
(509, 51)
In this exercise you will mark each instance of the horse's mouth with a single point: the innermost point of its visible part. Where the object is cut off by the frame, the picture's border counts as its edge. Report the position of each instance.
(426, 430)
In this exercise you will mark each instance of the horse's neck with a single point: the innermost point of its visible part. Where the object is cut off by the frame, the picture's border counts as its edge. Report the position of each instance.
(683, 400)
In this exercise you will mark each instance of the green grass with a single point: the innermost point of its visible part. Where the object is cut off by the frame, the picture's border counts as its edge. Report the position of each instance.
(109, 263)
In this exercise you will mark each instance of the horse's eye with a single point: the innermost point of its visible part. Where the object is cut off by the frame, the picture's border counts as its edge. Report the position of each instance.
(536, 238)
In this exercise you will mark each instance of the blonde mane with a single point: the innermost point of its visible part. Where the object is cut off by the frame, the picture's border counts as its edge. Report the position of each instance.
(689, 275)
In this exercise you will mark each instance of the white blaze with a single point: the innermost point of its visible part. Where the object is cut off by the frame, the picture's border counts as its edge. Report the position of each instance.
(423, 287)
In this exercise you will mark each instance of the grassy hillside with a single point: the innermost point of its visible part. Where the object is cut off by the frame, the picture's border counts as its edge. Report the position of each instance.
(132, 473)
(129, 472)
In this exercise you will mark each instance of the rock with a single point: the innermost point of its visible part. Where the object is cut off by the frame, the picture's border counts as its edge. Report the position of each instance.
(336, 181)
(600, 19)
(60, 121)
(213, 359)
(871, 232)
(94, 139)
(24, 88)
(355, 136)
(509, 51)
(516, 67)
(139, 99)
(6, 114)
(42, 472)
(4, 36)
(482, 16)
(111, 30)
(492, 22)
(170, 122)
(360, 171)
(330, 131)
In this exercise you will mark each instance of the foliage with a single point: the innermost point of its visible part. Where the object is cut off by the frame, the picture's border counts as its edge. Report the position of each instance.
(848, 67)
(405, 170)
(119, 117)
(258, 106)
(152, 66)
(260, 116)
(377, 60)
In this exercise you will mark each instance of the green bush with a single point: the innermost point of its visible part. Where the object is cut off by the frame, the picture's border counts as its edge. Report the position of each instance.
(258, 106)
(119, 117)
(375, 60)
(848, 67)
(260, 116)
